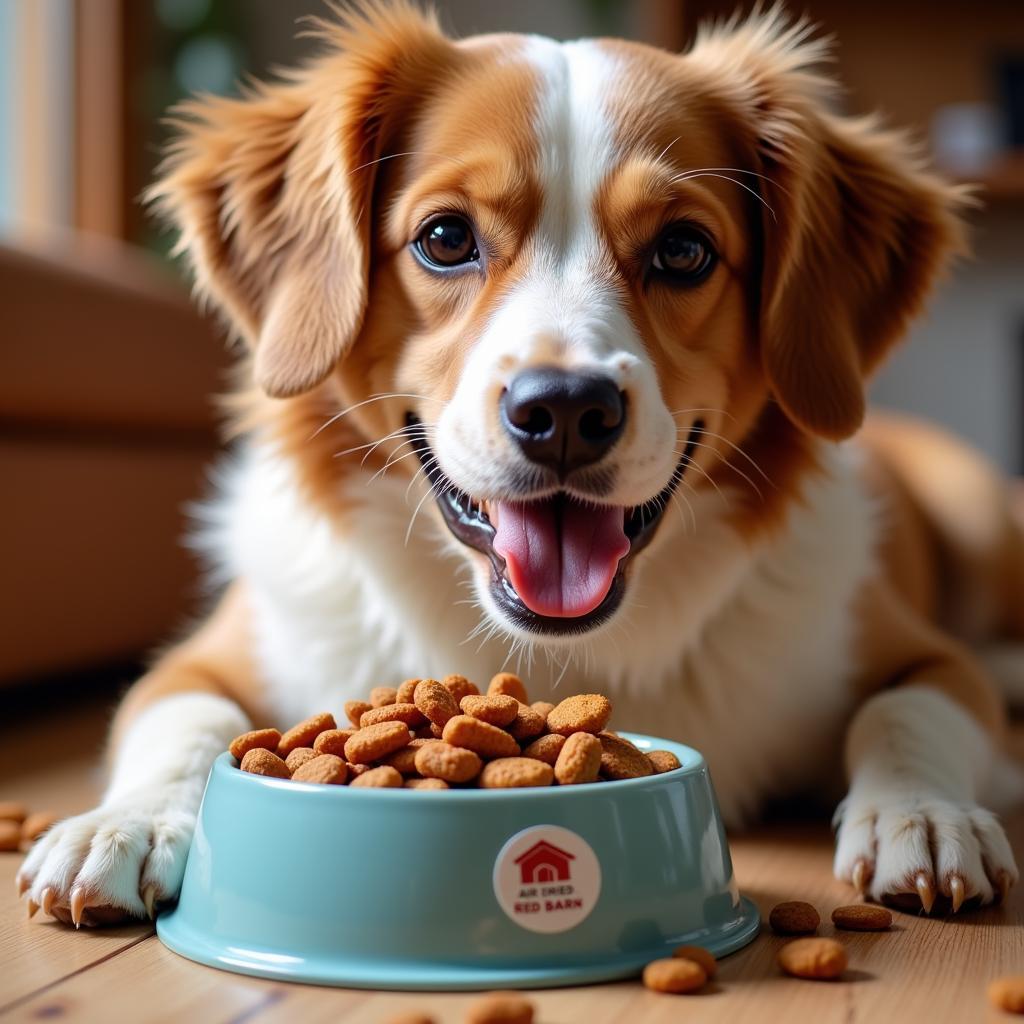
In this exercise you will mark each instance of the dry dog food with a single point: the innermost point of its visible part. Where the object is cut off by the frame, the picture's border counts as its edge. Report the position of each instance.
(327, 769)
(1008, 993)
(579, 760)
(862, 917)
(501, 1008)
(35, 825)
(12, 810)
(676, 976)
(434, 734)
(819, 959)
(10, 833)
(19, 829)
(663, 761)
(513, 772)
(699, 955)
(794, 918)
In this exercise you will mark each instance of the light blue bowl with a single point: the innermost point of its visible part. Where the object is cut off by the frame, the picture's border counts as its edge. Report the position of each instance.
(457, 889)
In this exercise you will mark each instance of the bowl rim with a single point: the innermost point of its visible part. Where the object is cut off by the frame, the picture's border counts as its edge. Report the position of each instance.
(692, 763)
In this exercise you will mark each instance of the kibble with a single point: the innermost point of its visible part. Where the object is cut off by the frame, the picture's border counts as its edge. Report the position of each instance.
(620, 759)
(376, 742)
(10, 834)
(407, 713)
(355, 709)
(332, 741)
(699, 955)
(515, 772)
(268, 739)
(501, 1008)
(676, 976)
(265, 762)
(794, 917)
(326, 769)
(508, 684)
(443, 761)
(13, 810)
(862, 917)
(436, 702)
(36, 824)
(435, 734)
(459, 687)
(585, 712)
(299, 756)
(498, 710)
(382, 777)
(663, 761)
(546, 748)
(406, 691)
(1008, 993)
(579, 760)
(381, 696)
(486, 740)
(816, 959)
(303, 734)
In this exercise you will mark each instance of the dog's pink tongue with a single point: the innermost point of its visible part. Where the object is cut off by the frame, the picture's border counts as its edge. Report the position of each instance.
(560, 556)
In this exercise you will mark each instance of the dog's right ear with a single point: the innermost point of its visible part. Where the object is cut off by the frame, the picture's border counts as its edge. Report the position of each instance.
(272, 193)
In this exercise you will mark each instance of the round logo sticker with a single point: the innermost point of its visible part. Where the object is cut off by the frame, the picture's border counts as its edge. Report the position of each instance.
(547, 879)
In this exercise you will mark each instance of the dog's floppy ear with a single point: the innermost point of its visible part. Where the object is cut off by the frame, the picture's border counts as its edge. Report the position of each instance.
(855, 229)
(272, 192)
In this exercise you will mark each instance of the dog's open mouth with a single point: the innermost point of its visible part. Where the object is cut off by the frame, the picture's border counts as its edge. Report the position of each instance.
(558, 562)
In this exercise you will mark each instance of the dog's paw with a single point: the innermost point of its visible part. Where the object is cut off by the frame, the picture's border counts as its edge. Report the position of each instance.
(923, 851)
(110, 864)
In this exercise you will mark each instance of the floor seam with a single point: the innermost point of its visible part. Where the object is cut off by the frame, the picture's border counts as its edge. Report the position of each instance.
(21, 1000)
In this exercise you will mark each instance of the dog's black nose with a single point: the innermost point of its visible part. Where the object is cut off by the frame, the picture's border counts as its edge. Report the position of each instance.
(561, 419)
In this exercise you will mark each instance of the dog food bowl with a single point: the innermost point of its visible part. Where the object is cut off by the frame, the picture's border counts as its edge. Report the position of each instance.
(457, 889)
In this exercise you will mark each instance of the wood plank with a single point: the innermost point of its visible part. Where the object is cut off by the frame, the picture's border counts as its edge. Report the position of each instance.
(924, 970)
(38, 953)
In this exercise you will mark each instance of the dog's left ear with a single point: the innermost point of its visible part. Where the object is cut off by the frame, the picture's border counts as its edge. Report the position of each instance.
(855, 229)
(272, 193)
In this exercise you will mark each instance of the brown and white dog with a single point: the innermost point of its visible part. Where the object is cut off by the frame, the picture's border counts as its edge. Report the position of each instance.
(551, 353)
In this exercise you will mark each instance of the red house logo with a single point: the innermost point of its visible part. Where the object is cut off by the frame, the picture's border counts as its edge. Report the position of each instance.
(544, 862)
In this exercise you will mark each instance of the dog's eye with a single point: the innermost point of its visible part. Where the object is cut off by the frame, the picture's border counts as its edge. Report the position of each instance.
(684, 254)
(447, 241)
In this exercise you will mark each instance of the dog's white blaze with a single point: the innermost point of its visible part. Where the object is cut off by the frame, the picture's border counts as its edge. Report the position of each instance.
(566, 310)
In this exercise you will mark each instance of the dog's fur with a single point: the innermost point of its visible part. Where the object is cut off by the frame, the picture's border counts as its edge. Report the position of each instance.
(799, 586)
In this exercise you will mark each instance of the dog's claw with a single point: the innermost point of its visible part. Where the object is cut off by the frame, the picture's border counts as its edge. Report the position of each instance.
(77, 905)
(956, 892)
(32, 908)
(149, 899)
(47, 899)
(860, 876)
(925, 892)
(22, 882)
(1004, 885)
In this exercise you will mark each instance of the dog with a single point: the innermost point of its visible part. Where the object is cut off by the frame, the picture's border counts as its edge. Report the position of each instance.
(554, 357)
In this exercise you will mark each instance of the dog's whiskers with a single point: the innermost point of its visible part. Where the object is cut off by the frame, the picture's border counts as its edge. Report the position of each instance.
(373, 444)
(394, 459)
(368, 401)
(690, 176)
(736, 448)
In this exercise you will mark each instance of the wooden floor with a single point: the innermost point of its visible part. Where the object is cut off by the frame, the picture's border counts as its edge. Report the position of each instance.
(924, 970)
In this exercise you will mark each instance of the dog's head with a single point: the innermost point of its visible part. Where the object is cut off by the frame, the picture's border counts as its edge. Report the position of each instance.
(586, 275)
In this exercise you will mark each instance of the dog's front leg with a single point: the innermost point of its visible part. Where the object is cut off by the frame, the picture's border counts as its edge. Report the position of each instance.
(121, 858)
(912, 822)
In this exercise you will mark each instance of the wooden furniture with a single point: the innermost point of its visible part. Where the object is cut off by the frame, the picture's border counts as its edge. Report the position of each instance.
(106, 429)
(924, 971)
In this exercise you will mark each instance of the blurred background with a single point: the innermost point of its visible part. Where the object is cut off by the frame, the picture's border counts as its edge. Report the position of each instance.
(106, 372)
